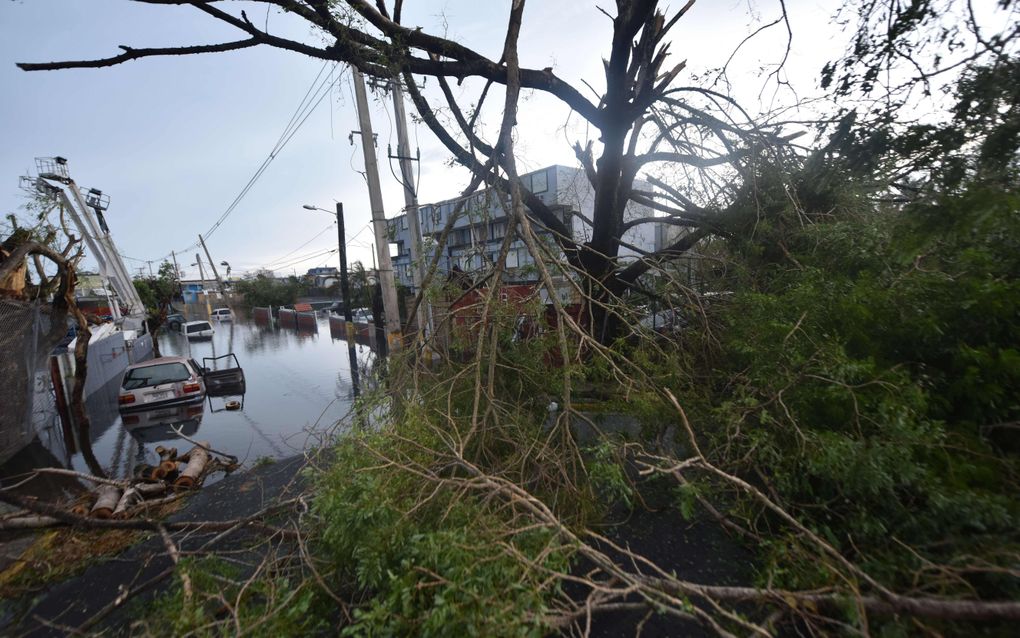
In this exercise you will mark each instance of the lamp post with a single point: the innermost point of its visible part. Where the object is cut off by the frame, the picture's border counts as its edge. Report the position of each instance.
(345, 290)
(227, 282)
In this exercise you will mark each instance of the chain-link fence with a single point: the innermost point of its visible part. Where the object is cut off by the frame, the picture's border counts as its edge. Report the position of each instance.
(25, 341)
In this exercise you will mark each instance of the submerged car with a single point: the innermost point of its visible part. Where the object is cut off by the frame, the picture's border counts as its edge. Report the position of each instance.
(160, 382)
(174, 321)
(197, 330)
(156, 424)
(223, 314)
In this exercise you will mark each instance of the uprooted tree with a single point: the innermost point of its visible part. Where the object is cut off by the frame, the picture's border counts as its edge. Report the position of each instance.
(809, 428)
(645, 119)
(695, 143)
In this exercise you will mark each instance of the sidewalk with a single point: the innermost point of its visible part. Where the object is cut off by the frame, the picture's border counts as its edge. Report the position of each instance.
(67, 605)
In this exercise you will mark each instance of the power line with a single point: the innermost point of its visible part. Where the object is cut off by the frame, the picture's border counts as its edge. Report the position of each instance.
(316, 92)
(305, 109)
(317, 235)
(321, 253)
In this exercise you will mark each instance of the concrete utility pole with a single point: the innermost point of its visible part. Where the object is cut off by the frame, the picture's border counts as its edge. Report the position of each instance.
(212, 265)
(201, 274)
(177, 278)
(410, 205)
(385, 272)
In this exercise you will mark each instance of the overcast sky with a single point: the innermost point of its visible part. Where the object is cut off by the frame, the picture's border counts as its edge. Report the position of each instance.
(174, 140)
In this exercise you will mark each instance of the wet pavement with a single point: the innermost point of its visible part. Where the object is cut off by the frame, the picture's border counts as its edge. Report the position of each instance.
(296, 382)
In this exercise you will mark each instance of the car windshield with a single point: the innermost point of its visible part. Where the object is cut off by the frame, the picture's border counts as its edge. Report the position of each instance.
(198, 327)
(155, 375)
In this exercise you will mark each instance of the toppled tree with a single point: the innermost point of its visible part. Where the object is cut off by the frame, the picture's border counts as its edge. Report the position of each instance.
(644, 120)
(478, 446)
(158, 293)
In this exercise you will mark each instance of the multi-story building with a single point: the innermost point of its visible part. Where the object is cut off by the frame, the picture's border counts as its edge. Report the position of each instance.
(475, 238)
(323, 276)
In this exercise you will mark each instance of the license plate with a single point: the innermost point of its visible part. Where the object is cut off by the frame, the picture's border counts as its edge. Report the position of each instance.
(159, 396)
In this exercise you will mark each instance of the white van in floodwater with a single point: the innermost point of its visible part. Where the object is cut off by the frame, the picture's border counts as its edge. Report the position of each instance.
(222, 314)
(197, 330)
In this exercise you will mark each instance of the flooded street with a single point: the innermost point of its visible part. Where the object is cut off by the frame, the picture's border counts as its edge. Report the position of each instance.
(295, 381)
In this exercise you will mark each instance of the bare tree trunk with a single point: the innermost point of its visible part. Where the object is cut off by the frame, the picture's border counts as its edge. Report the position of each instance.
(106, 502)
(155, 343)
(81, 366)
(198, 458)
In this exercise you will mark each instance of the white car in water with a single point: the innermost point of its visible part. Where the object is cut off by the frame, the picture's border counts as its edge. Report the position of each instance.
(160, 382)
(223, 314)
(197, 330)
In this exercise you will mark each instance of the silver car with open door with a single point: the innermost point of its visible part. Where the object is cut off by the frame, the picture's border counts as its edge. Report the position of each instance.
(160, 382)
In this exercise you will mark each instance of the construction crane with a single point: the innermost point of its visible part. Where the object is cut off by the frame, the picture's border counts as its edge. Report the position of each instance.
(85, 208)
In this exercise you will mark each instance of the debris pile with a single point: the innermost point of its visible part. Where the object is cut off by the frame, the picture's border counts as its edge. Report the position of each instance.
(151, 486)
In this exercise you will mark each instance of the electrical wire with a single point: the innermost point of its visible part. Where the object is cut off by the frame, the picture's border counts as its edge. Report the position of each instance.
(317, 235)
(316, 92)
(304, 259)
(304, 111)
(274, 264)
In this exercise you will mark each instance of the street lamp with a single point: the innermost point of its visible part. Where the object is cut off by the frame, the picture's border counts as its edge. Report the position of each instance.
(345, 291)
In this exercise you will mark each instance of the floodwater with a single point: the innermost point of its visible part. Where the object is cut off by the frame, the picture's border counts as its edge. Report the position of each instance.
(297, 382)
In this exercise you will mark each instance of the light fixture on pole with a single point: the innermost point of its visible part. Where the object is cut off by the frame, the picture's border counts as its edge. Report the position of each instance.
(345, 290)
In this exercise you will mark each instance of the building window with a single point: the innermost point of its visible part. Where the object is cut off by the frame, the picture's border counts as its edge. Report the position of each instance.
(403, 222)
(539, 182)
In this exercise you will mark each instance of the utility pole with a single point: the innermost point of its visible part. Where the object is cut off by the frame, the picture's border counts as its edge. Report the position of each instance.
(212, 265)
(177, 278)
(385, 272)
(201, 273)
(410, 206)
(345, 290)
(345, 284)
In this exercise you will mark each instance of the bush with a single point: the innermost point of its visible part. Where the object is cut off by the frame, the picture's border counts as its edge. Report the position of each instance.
(434, 562)
(856, 377)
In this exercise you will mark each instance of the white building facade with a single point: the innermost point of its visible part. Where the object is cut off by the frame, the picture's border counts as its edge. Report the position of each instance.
(475, 238)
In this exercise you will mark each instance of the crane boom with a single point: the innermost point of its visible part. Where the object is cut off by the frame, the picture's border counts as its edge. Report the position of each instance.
(54, 179)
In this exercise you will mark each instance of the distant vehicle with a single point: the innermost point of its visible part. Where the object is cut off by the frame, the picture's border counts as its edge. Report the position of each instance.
(676, 320)
(222, 314)
(362, 315)
(174, 321)
(665, 321)
(160, 382)
(197, 330)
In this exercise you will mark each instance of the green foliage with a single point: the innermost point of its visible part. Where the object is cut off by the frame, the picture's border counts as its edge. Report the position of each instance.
(157, 293)
(274, 605)
(857, 372)
(435, 566)
(263, 291)
(608, 476)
